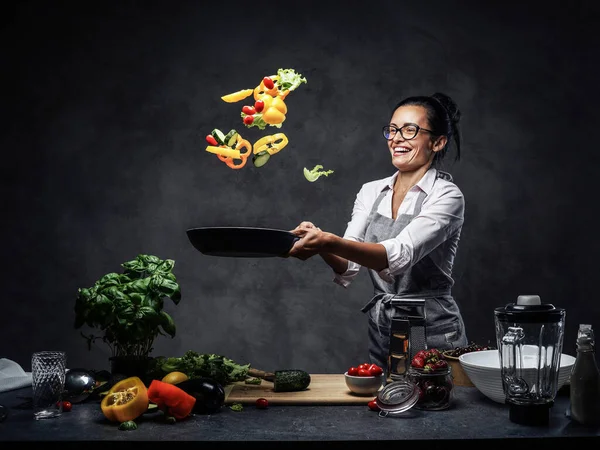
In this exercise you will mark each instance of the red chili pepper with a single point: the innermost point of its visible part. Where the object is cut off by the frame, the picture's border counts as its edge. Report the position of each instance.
(268, 83)
(211, 140)
(171, 399)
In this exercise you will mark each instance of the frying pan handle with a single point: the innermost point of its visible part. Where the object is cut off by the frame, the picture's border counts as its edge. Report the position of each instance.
(294, 240)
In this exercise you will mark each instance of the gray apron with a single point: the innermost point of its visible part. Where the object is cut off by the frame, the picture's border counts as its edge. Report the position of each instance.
(444, 324)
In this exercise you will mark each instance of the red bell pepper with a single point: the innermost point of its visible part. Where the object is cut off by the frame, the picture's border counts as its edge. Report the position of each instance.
(170, 399)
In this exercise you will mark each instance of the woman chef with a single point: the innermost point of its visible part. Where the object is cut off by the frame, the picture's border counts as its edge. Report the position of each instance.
(404, 228)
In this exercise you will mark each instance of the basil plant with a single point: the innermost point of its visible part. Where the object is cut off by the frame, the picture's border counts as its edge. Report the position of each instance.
(128, 307)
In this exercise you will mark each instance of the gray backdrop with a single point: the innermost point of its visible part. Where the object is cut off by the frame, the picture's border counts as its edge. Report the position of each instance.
(104, 113)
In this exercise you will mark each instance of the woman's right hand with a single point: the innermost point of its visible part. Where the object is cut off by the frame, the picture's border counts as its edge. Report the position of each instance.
(306, 231)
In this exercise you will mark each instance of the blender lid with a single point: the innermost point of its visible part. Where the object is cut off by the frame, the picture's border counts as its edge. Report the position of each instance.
(397, 397)
(529, 308)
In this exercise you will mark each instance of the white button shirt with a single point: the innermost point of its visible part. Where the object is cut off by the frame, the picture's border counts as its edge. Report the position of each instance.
(434, 231)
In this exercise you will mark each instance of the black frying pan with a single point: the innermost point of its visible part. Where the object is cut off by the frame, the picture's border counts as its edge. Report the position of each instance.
(241, 242)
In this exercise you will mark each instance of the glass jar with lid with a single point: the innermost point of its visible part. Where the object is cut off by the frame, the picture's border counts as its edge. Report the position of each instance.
(421, 389)
(436, 388)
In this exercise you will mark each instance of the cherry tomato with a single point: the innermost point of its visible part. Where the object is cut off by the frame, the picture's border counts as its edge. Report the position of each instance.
(248, 120)
(363, 366)
(67, 406)
(259, 105)
(353, 371)
(211, 140)
(250, 110)
(262, 403)
(268, 83)
(364, 373)
(373, 405)
(375, 370)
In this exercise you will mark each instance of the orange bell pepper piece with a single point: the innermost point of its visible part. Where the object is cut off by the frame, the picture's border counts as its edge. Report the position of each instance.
(241, 143)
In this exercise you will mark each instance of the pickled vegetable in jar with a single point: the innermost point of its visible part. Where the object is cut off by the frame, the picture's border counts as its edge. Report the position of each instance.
(435, 388)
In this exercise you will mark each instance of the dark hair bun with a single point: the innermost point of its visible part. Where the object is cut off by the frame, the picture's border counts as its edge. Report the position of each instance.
(453, 111)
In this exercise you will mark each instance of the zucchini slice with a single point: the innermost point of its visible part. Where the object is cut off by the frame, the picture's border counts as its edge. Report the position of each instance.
(261, 158)
(218, 135)
(231, 138)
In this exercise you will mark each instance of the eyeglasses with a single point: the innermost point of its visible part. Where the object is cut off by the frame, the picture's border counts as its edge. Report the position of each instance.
(408, 131)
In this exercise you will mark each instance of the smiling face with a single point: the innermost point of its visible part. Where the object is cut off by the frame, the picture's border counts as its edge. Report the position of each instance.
(414, 154)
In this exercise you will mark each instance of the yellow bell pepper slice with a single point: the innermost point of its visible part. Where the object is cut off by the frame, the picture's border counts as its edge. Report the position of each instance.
(227, 152)
(272, 144)
(126, 400)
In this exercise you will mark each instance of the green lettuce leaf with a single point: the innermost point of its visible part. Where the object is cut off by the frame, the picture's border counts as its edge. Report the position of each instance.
(289, 79)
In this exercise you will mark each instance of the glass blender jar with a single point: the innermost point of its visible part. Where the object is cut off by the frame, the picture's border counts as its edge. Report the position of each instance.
(530, 339)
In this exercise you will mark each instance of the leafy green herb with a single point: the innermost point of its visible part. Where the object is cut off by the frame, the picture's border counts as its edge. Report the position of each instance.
(130, 425)
(236, 407)
(259, 122)
(195, 365)
(252, 381)
(128, 307)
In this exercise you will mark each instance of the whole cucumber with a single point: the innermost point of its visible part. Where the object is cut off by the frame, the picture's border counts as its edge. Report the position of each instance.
(290, 380)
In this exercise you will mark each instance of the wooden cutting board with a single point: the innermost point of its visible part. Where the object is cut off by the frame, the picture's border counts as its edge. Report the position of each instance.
(324, 389)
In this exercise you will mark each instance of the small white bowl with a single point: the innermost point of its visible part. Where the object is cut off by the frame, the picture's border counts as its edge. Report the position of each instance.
(483, 369)
(364, 385)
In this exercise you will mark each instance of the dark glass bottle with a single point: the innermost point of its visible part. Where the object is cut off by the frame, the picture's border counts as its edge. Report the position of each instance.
(585, 380)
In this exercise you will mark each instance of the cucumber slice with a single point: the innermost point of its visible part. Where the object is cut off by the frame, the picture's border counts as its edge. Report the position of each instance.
(261, 158)
(218, 135)
(231, 138)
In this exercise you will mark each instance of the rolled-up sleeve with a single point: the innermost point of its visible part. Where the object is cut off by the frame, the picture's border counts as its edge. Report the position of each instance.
(439, 218)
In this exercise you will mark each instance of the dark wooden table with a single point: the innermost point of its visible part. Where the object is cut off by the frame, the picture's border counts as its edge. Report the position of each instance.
(472, 417)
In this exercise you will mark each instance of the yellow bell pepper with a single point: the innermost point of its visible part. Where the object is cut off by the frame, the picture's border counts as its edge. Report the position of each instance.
(275, 113)
(126, 400)
(272, 144)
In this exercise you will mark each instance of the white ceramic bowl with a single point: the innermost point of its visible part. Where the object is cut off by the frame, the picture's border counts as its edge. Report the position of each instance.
(483, 369)
(364, 385)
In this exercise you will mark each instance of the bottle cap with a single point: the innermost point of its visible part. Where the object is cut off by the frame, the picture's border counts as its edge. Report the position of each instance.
(529, 300)
(529, 308)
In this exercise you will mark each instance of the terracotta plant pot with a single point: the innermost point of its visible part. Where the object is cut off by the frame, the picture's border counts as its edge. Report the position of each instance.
(458, 374)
